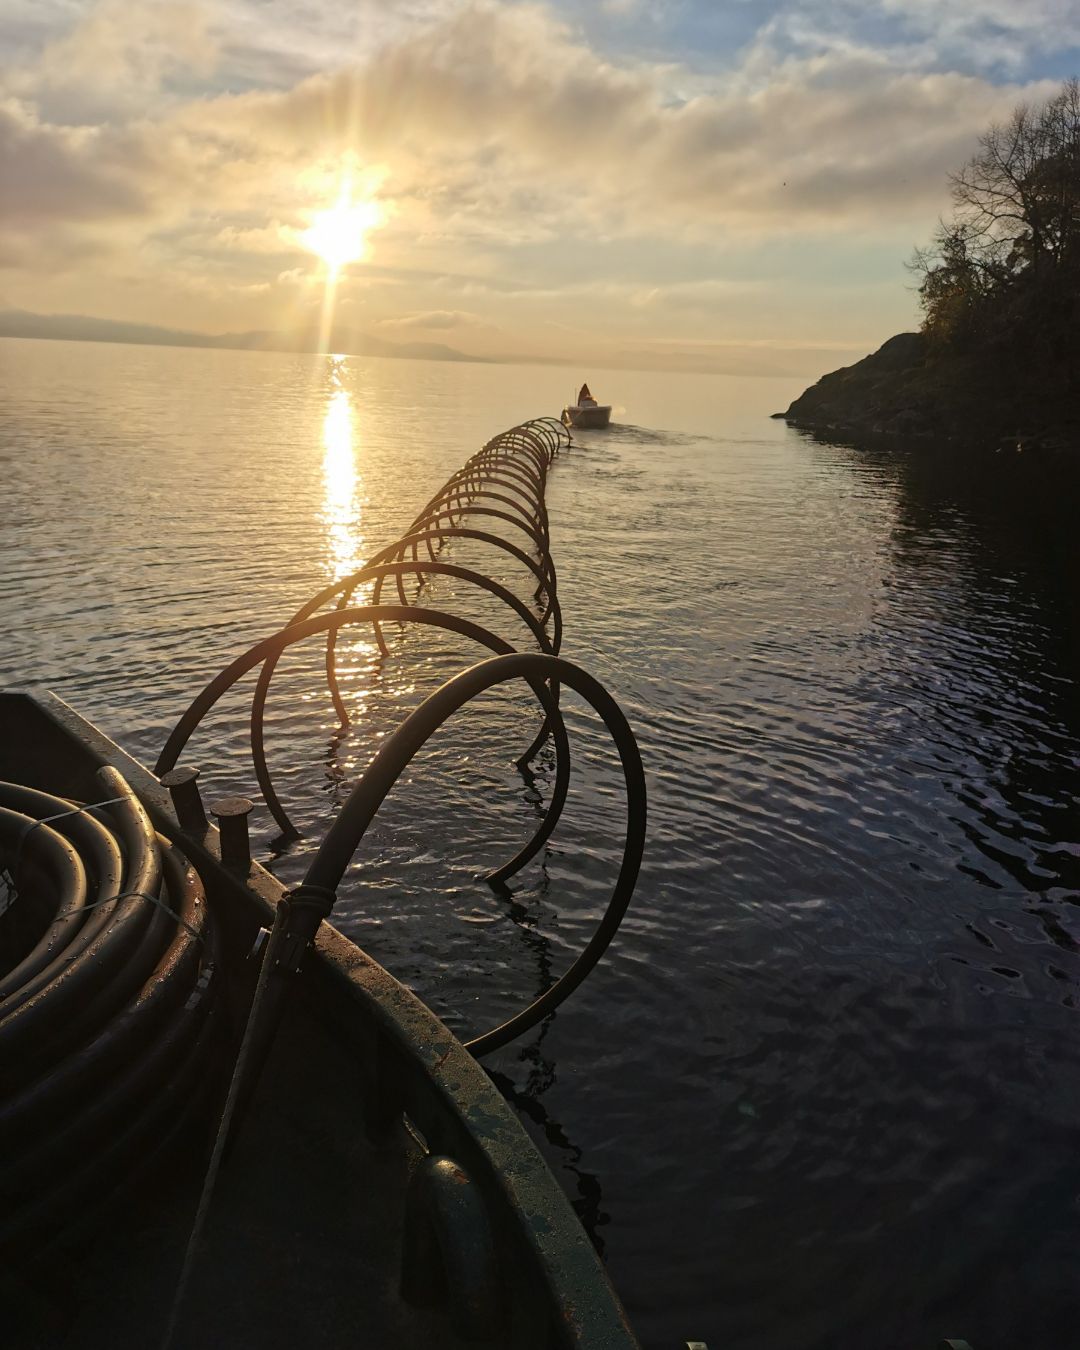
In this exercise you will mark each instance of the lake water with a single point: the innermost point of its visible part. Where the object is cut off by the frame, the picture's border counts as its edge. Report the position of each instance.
(825, 1089)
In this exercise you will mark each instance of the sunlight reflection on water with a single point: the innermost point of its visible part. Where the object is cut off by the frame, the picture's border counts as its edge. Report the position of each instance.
(343, 512)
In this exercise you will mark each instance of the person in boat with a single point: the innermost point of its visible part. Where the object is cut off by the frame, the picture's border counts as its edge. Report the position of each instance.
(584, 398)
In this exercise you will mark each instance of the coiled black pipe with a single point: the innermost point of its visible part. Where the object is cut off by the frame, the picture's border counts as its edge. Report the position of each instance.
(521, 458)
(517, 460)
(302, 910)
(376, 571)
(270, 649)
(108, 1003)
(334, 855)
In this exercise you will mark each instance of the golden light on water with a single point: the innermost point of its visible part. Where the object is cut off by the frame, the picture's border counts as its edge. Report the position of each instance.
(342, 515)
(341, 508)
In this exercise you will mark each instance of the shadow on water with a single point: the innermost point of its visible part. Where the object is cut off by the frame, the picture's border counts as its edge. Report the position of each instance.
(589, 1200)
(540, 1070)
(974, 1080)
(994, 535)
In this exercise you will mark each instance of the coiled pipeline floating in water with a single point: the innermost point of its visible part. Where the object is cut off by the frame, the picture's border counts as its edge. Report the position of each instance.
(107, 1003)
(516, 461)
(330, 863)
(520, 458)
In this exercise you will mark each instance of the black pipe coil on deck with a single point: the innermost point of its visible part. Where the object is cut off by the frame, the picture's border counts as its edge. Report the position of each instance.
(109, 1009)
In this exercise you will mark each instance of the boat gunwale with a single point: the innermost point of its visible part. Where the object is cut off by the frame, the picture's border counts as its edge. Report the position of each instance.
(401, 1046)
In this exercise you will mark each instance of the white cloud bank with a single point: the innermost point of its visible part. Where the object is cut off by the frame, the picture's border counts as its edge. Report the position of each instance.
(492, 96)
(495, 129)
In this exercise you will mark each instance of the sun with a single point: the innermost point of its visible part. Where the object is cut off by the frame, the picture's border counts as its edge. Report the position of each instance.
(338, 234)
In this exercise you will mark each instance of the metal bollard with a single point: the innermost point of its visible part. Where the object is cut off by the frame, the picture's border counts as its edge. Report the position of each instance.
(186, 799)
(232, 814)
(448, 1250)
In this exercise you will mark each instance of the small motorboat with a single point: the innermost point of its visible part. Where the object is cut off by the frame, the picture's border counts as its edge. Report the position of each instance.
(586, 414)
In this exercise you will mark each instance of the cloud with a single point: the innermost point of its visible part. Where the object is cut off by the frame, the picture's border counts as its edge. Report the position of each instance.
(434, 319)
(273, 238)
(521, 163)
(65, 173)
(990, 32)
(494, 102)
(972, 36)
(500, 124)
(116, 56)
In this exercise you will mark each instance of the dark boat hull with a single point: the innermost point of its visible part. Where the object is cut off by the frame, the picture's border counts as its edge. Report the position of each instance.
(318, 1222)
(587, 419)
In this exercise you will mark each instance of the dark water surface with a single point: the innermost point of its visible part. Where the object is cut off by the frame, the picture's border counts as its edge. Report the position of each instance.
(825, 1090)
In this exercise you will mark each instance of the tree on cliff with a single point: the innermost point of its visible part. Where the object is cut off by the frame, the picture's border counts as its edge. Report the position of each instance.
(1004, 272)
(998, 358)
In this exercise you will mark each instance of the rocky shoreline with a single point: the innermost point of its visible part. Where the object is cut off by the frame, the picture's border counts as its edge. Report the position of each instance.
(906, 390)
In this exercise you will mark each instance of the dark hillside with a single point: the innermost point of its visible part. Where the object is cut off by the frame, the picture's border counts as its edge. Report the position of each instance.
(998, 357)
(908, 387)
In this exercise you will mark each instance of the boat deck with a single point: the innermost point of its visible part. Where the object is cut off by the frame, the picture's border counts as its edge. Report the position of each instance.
(305, 1254)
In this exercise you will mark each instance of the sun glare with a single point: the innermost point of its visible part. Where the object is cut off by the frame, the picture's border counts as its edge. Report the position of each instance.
(338, 234)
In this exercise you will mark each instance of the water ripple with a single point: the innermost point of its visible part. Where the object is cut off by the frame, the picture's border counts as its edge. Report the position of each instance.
(827, 1082)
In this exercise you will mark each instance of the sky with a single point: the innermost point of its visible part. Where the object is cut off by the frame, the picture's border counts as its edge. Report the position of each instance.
(729, 185)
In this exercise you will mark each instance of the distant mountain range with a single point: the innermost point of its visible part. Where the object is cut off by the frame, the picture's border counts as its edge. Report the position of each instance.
(84, 328)
(721, 359)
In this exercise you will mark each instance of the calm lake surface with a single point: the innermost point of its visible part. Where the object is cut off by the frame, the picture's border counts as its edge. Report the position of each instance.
(825, 1089)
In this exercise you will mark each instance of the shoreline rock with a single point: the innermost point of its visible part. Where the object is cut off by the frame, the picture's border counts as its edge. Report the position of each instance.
(906, 390)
